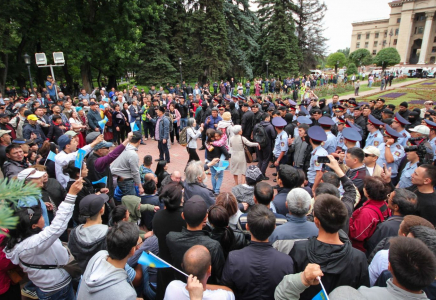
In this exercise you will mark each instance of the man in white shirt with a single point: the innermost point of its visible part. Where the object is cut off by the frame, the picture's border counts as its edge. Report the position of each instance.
(371, 155)
(197, 261)
(68, 152)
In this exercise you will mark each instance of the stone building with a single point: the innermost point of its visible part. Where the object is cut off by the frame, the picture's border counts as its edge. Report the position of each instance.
(410, 28)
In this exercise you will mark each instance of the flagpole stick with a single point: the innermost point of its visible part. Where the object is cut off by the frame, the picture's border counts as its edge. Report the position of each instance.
(167, 263)
(46, 159)
(80, 175)
(320, 282)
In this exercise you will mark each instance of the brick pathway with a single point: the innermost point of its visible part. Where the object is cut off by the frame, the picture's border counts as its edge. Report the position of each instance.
(179, 157)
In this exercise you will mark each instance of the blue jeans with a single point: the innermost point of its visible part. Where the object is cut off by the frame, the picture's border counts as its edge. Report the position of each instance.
(65, 293)
(247, 91)
(147, 291)
(139, 124)
(127, 187)
(163, 150)
(216, 182)
(183, 123)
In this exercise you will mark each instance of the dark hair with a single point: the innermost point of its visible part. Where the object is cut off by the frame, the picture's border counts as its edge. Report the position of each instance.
(376, 189)
(149, 186)
(413, 264)
(118, 213)
(56, 117)
(264, 193)
(261, 222)
(219, 219)
(11, 147)
(71, 170)
(425, 235)
(331, 212)
(264, 116)
(302, 177)
(160, 170)
(332, 178)
(406, 201)
(199, 263)
(121, 238)
(45, 149)
(357, 153)
(228, 201)
(430, 172)
(171, 195)
(289, 176)
(24, 229)
(410, 221)
(210, 133)
(327, 188)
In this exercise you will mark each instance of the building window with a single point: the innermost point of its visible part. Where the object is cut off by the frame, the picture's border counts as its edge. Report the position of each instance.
(432, 60)
(395, 42)
(386, 33)
(384, 43)
(398, 20)
(421, 18)
(420, 30)
(374, 52)
(375, 44)
(397, 31)
(367, 35)
(357, 45)
(359, 36)
(433, 50)
(366, 44)
(376, 35)
(434, 41)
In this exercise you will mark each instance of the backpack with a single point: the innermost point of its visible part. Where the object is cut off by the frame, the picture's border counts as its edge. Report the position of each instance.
(260, 136)
(170, 118)
(183, 137)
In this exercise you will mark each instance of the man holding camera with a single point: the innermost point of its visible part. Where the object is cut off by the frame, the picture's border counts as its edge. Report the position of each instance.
(391, 152)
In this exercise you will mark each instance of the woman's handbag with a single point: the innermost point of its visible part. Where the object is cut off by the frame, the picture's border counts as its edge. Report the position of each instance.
(248, 156)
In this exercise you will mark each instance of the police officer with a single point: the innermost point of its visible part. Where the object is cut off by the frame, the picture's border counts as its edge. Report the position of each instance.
(409, 169)
(351, 139)
(399, 124)
(432, 136)
(339, 138)
(281, 142)
(314, 173)
(351, 125)
(391, 152)
(330, 144)
(375, 137)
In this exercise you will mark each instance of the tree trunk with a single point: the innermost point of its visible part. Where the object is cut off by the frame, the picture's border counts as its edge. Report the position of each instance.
(112, 82)
(85, 72)
(98, 78)
(4, 72)
(68, 77)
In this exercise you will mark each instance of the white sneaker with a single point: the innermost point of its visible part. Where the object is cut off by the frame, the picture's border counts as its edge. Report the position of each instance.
(145, 139)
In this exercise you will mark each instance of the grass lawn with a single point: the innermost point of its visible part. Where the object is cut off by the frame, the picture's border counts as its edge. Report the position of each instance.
(409, 95)
(422, 85)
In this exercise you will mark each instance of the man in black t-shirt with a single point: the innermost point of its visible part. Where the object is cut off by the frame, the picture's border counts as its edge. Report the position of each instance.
(423, 180)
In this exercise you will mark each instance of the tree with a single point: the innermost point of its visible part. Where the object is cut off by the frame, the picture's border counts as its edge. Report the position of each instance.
(351, 69)
(310, 28)
(346, 51)
(336, 60)
(361, 57)
(387, 57)
(279, 44)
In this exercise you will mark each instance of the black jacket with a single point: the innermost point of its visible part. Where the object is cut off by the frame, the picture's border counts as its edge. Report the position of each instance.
(53, 190)
(247, 124)
(341, 264)
(270, 132)
(239, 242)
(183, 110)
(199, 189)
(255, 271)
(86, 190)
(179, 242)
(236, 117)
(388, 228)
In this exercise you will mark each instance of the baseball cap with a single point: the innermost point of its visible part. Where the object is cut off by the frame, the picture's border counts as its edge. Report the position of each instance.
(71, 133)
(421, 129)
(194, 210)
(30, 173)
(4, 116)
(91, 137)
(3, 132)
(32, 117)
(103, 145)
(63, 141)
(253, 175)
(22, 141)
(372, 150)
(90, 205)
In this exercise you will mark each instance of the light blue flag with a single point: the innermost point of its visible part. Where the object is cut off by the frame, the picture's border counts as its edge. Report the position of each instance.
(101, 106)
(102, 123)
(320, 296)
(134, 127)
(79, 158)
(147, 259)
(222, 165)
(103, 180)
(51, 156)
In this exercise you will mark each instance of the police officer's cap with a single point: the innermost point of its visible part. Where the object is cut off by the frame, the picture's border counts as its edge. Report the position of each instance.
(401, 120)
(391, 132)
(292, 103)
(279, 122)
(373, 120)
(316, 133)
(304, 120)
(430, 124)
(326, 121)
(282, 107)
(304, 110)
(351, 134)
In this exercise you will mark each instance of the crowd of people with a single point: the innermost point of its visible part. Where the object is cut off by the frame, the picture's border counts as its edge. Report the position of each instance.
(353, 206)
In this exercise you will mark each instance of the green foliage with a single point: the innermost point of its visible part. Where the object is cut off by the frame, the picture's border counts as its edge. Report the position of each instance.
(387, 57)
(10, 192)
(361, 57)
(336, 60)
(352, 69)
(345, 51)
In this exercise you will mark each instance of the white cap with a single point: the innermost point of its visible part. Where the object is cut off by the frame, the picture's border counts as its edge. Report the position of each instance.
(103, 89)
(428, 102)
(372, 150)
(30, 173)
(422, 129)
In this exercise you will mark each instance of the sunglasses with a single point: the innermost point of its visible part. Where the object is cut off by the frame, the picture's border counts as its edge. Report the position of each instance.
(30, 212)
(369, 155)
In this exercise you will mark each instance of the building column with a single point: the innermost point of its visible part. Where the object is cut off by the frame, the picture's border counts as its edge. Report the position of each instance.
(426, 36)
(403, 43)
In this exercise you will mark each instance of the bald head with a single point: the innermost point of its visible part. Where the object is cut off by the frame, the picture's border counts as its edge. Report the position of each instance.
(176, 176)
(197, 261)
(150, 176)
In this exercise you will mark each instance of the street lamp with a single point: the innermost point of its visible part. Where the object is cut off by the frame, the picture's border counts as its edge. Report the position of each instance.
(27, 62)
(337, 66)
(180, 64)
(267, 62)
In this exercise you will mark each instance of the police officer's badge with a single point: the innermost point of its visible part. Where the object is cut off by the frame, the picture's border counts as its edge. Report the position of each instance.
(317, 163)
(323, 143)
(341, 140)
(282, 144)
(404, 134)
(398, 146)
(397, 153)
(375, 135)
(376, 143)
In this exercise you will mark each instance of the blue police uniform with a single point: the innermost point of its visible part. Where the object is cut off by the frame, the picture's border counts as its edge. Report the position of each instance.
(406, 175)
(374, 139)
(330, 144)
(340, 140)
(314, 165)
(405, 136)
(397, 152)
(433, 147)
(281, 144)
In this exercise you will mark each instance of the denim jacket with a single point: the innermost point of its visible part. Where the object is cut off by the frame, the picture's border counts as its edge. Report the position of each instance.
(164, 128)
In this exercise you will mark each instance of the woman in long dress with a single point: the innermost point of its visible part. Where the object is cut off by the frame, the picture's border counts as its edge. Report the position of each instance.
(238, 163)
